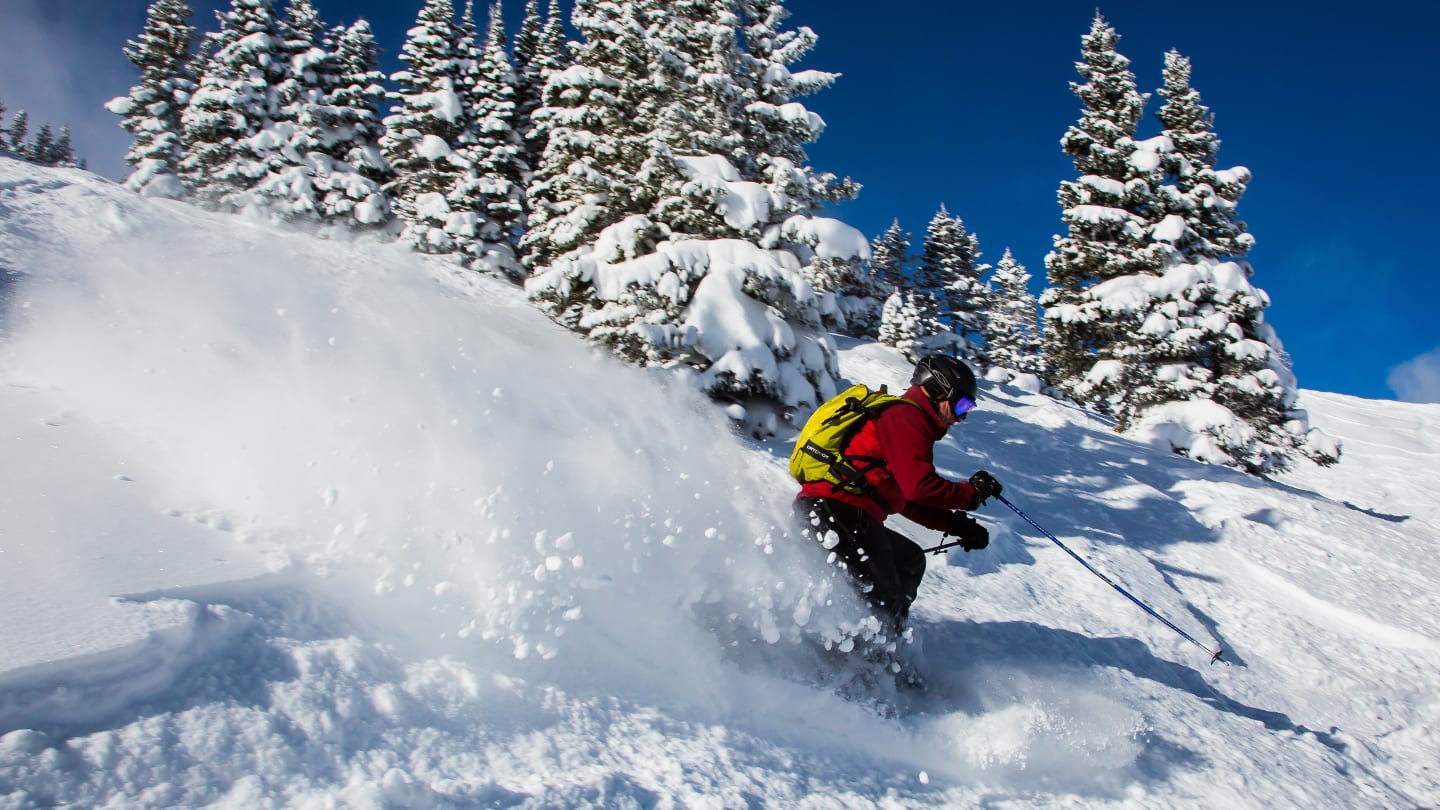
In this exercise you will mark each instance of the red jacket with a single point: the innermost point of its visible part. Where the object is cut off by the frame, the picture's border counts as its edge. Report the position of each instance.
(907, 483)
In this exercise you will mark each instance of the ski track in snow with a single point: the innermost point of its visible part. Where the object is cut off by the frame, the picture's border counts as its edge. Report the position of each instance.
(287, 522)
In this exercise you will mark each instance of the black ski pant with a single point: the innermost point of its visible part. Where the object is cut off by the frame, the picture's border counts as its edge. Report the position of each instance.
(886, 565)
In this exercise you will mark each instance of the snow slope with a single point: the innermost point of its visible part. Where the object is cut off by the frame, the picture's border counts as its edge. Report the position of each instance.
(288, 522)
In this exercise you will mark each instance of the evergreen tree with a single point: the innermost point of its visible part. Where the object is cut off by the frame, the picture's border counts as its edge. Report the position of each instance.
(910, 315)
(693, 104)
(655, 229)
(524, 51)
(426, 131)
(862, 299)
(493, 186)
(311, 69)
(233, 104)
(890, 256)
(948, 264)
(42, 151)
(210, 42)
(465, 197)
(19, 133)
(553, 48)
(776, 129)
(468, 31)
(530, 73)
(284, 145)
(1252, 377)
(1110, 212)
(341, 132)
(593, 127)
(1011, 330)
(1206, 197)
(554, 53)
(1202, 357)
(911, 323)
(355, 102)
(921, 310)
(1159, 360)
(64, 153)
(540, 53)
(152, 111)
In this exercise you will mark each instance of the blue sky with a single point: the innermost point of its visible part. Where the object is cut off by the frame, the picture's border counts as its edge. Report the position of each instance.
(964, 103)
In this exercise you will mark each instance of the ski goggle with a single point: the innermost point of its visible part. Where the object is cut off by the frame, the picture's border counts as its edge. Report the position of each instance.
(964, 405)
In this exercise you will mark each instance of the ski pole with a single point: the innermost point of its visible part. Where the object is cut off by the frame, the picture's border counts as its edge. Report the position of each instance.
(943, 545)
(1214, 654)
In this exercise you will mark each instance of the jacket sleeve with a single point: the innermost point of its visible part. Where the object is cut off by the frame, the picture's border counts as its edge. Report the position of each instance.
(927, 516)
(908, 441)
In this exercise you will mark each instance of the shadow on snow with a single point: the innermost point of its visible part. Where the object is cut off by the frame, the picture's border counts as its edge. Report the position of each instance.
(1034, 647)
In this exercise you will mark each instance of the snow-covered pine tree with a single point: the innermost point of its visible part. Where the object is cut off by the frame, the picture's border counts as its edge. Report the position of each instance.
(492, 187)
(890, 256)
(355, 102)
(1012, 330)
(523, 51)
(233, 103)
(307, 72)
(530, 75)
(1110, 211)
(342, 133)
(426, 130)
(914, 319)
(902, 321)
(465, 196)
(948, 260)
(862, 298)
(554, 53)
(310, 65)
(19, 133)
(696, 104)
(694, 265)
(777, 128)
(42, 151)
(1163, 353)
(1207, 196)
(151, 112)
(540, 53)
(209, 43)
(1219, 386)
(64, 152)
(592, 125)
(911, 322)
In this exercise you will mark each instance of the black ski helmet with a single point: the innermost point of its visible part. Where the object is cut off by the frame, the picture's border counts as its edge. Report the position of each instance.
(944, 378)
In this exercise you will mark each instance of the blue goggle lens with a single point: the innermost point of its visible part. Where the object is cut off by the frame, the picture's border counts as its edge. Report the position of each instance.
(964, 405)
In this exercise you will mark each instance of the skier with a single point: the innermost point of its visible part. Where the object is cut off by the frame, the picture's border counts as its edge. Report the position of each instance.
(900, 478)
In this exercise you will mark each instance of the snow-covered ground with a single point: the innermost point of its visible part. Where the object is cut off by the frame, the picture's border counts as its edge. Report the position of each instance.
(288, 522)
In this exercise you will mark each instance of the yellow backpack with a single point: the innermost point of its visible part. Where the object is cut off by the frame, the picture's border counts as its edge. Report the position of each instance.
(819, 453)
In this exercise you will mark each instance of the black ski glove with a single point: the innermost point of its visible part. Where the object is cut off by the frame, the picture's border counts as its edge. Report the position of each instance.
(973, 536)
(986, 487)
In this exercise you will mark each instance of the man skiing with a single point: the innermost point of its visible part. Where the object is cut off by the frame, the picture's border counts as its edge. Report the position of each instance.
(899, 477)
